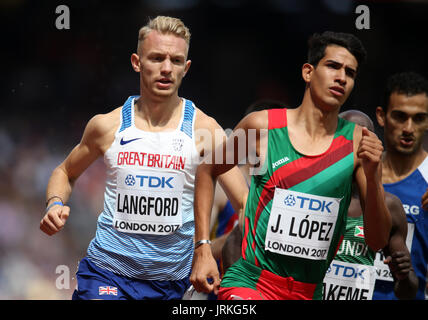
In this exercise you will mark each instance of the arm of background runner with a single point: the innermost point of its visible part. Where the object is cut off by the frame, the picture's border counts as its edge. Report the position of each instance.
(63, 177)
(204, 265)
(220, 202)
(368, 172)
(424, 200)
(231, 251)
(397, 254)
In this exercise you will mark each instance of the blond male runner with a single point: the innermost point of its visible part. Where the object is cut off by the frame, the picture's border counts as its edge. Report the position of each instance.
(152, 146)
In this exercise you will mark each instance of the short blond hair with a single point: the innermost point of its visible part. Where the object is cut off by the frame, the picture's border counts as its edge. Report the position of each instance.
(164, 24)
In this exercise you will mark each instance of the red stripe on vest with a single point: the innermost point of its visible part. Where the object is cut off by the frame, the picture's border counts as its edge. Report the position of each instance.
(298, 171)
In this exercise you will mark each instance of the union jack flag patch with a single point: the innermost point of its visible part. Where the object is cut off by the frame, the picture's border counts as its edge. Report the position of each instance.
(107, 290)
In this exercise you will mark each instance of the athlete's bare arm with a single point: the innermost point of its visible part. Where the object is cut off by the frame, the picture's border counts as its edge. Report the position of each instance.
(396, 252)
(231, 251)
(424, 200)
(368, 173)
(204, 265)
(96, 139)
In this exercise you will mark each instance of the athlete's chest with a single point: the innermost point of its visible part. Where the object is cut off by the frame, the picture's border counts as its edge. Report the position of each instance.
(172, 150)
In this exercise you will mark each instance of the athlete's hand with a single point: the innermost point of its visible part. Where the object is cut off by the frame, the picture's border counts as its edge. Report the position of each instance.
(399, 264)
(54, 219)
(425, 200)
(204, 268)
(370, 151)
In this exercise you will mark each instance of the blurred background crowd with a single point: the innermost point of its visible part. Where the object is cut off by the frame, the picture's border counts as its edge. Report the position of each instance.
(53, 81)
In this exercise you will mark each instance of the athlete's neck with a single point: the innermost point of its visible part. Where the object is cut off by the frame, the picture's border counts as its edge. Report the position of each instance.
(316, 121)
(396, 166)
(158, 113)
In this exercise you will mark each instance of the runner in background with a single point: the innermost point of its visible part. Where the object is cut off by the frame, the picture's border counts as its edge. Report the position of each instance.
(352, 274)
(404, 119)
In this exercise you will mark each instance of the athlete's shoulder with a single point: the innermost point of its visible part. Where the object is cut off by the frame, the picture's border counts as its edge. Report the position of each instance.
(257, 119)
(204, 121)
(101, 128)
(423, 168)
(392, 201)
(105, 122)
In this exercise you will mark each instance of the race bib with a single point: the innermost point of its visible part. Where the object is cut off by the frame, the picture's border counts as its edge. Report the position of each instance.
(148, 202)
(301, 225)
(349, 281)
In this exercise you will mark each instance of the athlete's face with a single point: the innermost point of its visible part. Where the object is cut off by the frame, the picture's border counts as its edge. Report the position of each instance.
(162, 63)
(404, 122)
(332, 80)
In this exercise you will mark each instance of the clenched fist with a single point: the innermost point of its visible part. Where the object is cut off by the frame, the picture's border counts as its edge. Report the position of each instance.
(54, 220)
(370, 151)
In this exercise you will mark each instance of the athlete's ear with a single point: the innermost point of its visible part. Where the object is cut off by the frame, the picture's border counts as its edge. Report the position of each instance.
(186, 68)
(380, 116)
(135, 61)
(307, 71)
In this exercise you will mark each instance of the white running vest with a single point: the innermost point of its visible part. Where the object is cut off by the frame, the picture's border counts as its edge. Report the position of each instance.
(146, 228)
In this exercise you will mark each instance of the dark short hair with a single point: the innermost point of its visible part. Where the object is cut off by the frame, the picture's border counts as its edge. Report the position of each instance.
(409, 83)
(318, 42)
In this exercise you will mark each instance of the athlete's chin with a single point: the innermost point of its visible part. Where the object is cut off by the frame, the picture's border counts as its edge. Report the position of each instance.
(330, 105)
(406, 151)
(167, 93)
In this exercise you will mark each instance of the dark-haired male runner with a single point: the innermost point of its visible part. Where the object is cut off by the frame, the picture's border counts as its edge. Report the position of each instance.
(404, 118)
(352, 273)
(296, 209)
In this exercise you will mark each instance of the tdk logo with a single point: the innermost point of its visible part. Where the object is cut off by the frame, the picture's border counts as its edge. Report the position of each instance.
(290, 200)
(346, 271)
(155, 182)
(308, 203)
(130, 180)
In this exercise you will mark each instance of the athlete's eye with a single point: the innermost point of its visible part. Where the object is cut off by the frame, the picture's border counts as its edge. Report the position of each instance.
(333, 66)
(156, 58)
(178, 60)
(399, 116)
(420, 118)
(351, 73)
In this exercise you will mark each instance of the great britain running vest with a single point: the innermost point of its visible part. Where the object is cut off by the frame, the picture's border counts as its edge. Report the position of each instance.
(146, 228)
(296, 211)
(410, 191)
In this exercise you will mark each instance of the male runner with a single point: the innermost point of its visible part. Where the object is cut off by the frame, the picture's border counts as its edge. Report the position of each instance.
(404, 118)
(295, 214)
(352, 274)
(151, 145)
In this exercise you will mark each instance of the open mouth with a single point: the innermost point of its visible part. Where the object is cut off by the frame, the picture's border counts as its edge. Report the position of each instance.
(407, 141)
(337, 91)
(164, 83)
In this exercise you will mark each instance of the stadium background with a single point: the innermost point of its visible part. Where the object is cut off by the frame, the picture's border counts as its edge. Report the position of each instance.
(53, 81)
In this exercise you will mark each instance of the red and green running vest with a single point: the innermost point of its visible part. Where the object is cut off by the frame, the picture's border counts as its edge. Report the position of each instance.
(296, 210)
(353, 248)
